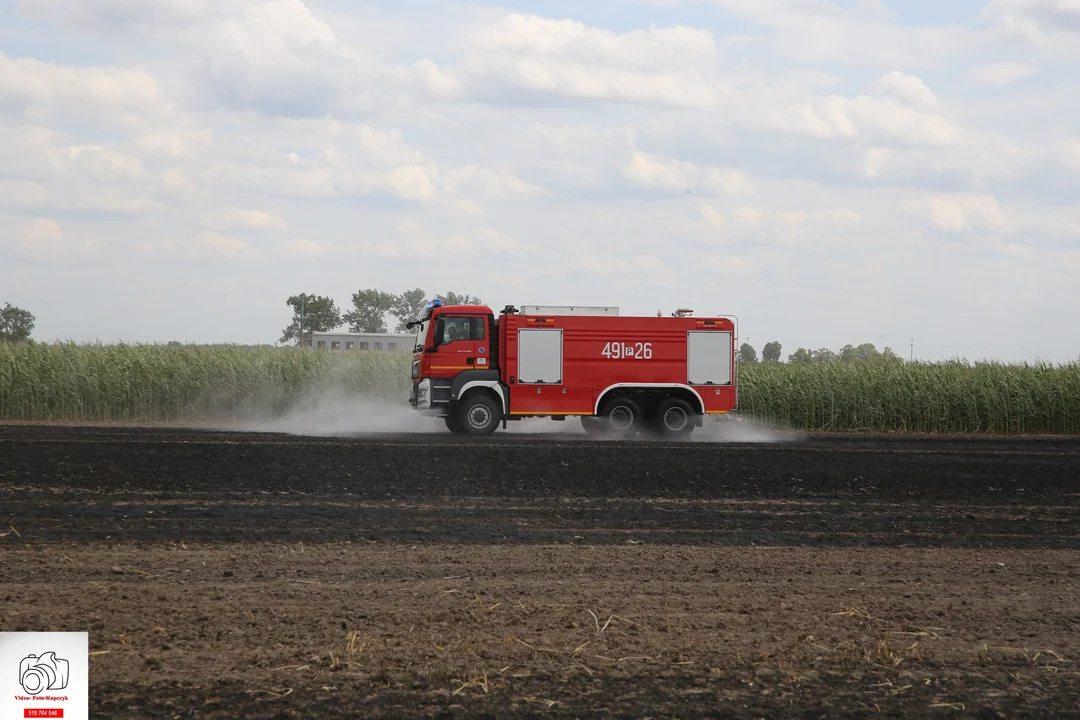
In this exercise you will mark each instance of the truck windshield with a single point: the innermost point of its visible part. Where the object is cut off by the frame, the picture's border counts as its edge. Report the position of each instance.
(421, 333)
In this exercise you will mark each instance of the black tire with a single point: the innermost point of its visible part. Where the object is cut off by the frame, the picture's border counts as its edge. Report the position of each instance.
(621, 417)
(478, 414)
(673, 418)
(452, 423)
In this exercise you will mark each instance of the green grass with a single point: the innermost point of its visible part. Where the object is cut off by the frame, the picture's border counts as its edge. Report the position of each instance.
(150, 383)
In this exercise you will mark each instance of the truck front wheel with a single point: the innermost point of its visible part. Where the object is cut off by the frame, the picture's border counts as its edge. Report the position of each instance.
(478, 414)
(453, 423)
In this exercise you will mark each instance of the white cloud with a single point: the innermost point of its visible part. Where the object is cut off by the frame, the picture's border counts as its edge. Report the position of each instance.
(280, 58)
(19, 194)
(534, 35)
(875, 161)
(907, 89)
(235, 218)
(42, 92)
(1070, 149)
(1052, 15)
(104, 165)
(497, 182)
(225, 245)
(675, 175)
(640, 269)
(712, 216)
(962, 213)
(206, 246)
(765, 226)
(748, 217)
(416, 243)
(1004, 73)
(729, 266)
(43, 239)
(878, 119)
(815, 31)
(663, 66)
(843, 217)
(303, 247)
(108, 14)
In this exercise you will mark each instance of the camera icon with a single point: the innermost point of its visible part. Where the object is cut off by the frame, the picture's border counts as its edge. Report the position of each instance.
(38, 673)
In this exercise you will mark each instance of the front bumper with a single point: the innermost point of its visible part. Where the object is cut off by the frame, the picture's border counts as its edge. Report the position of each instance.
(420, 395)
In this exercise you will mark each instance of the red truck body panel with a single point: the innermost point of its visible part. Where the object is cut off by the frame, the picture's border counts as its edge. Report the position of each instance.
(560, 365)
(599, 353)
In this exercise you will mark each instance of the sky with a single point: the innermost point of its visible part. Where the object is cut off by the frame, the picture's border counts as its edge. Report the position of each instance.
(899, 173)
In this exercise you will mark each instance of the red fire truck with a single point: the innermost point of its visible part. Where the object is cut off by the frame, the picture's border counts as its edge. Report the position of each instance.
(622, 375)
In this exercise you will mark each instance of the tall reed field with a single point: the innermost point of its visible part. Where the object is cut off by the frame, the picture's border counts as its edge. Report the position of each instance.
(148, 383)
(893, 395)
(151, 383)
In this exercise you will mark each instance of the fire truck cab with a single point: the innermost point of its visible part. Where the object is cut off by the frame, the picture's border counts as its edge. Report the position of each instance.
(622, 375)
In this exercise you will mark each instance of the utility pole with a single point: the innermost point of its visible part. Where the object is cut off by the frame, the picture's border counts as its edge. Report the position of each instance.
(911, 352)
(303, 298)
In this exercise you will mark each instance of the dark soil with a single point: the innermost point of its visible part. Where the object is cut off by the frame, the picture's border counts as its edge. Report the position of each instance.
(238, 575)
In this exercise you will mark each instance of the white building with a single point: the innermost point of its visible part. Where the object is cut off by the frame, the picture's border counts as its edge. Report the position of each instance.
(378, 342)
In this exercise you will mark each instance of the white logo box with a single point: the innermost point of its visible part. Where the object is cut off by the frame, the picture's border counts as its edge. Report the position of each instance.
(44, 675)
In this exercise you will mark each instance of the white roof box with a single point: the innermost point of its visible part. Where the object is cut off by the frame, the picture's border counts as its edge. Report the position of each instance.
(568, 310)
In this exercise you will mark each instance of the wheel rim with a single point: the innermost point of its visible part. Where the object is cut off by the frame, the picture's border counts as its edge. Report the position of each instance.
(621, 417)
(675, 419)
(479, 417)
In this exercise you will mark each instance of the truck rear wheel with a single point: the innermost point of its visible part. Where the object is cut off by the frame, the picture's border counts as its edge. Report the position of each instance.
(478, 414)
(673, 418)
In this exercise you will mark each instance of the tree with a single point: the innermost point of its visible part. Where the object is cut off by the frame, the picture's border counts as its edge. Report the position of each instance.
(311, 313)
(408, 306)
(747, 354)
(824, 355)
(452, 298)
(771, 352)
(369, 311)
(867, 351)
(16, 324)
(851, 353)
(802, 355)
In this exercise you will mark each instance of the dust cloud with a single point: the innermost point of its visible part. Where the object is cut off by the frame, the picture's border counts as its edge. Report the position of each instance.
(334, 413)
(337, 414)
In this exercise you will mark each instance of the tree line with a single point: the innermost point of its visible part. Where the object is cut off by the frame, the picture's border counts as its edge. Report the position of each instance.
(847, 354)
(367, 313)
(370, 308)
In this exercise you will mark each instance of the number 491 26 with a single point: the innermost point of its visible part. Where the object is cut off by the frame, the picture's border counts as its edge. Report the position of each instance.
(627, 351)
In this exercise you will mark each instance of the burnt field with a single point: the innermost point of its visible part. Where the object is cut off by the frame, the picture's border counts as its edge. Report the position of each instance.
(261, 575)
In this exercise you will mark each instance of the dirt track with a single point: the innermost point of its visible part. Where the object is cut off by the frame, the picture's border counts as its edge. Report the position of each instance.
(229, 575)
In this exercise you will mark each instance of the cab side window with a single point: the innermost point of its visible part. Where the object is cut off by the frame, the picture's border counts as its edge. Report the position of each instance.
(462, 328)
